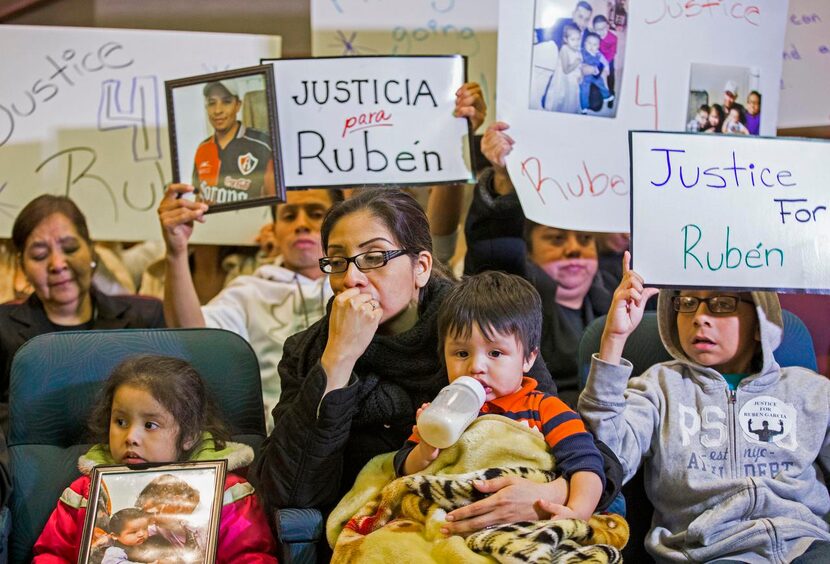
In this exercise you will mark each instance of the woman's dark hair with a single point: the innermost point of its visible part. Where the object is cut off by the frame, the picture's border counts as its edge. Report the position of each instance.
(39, 209)
(399, 212)
(530, 225)
(497, 302)
(177, 386)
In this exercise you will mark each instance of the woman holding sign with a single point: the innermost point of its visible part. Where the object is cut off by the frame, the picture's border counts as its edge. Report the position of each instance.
(562, 264)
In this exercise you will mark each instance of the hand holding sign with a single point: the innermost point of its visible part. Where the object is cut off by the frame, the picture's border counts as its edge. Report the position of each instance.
(469, 103)
(496, 145)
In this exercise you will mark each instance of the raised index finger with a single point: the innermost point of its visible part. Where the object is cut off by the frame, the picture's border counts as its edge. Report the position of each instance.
(626, 264)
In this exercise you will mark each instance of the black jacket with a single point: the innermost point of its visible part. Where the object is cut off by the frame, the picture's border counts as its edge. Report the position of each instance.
(319, 445)
(494, 233)
(23, 321)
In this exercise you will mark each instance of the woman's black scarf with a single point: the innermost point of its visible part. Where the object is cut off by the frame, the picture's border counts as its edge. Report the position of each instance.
(397, 373)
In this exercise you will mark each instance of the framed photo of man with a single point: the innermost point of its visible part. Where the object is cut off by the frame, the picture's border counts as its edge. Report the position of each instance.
(224, 138)
(154, 513)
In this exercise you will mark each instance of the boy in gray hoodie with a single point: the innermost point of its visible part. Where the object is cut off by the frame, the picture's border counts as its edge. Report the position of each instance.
(735, 447)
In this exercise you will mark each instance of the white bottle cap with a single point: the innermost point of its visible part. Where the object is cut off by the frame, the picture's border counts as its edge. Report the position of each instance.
(473, 385)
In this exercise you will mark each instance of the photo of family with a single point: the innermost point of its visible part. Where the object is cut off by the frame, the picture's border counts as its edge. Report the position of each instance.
(577, 59)
(154, 515)
(724, 99)
(223, 137)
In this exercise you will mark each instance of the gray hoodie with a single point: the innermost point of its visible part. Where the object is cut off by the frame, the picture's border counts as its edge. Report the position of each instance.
(731, 474)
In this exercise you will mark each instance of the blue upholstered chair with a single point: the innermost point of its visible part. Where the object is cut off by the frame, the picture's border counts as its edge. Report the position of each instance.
(644, 349)
(54, 380)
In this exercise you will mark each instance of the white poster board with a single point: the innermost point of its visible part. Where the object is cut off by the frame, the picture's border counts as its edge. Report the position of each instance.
(85, 117)
(569, 168)
(352, 121)
(805, 82)
(730, 211)
(412, 27)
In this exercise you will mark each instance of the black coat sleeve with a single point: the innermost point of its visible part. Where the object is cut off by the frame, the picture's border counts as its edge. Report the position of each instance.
(613, 475)
(493, 231)
(301, 462)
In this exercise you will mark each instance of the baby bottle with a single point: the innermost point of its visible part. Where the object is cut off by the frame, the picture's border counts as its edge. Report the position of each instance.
(451, 412)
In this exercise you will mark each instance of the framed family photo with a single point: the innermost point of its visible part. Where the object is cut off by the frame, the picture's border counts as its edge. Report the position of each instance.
(578, 55)
(224, 138)
(151, 513)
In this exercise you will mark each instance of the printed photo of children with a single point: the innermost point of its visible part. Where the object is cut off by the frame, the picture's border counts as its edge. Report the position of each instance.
(715, 94)
(577, 57)
(154, 516)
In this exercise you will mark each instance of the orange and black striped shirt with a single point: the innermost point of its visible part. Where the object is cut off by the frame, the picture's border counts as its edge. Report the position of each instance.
(571, 445)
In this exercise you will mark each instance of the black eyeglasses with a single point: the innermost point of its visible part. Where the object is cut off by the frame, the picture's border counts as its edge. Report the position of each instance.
(364, 261)
(716, 304)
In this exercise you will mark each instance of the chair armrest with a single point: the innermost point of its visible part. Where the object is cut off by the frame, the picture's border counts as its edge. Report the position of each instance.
(5, 529)
(298, 525)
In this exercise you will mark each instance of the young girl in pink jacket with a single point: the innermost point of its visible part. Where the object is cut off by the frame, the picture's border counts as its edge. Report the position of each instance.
(156, 409)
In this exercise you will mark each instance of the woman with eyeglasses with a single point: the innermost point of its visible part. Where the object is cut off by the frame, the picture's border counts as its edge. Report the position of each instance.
(351, 383)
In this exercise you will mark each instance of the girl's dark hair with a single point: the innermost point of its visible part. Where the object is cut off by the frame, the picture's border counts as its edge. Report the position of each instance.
(120, 519)
(177, 386)
(718, 109)
(39, 209)
(399, 212)
(498, 303)
(569, 28)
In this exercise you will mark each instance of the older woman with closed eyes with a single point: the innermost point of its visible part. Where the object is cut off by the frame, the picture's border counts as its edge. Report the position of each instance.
(54, 249)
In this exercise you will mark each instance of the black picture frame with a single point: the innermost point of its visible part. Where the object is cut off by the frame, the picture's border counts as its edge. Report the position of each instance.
(227, 178)
(134, 503)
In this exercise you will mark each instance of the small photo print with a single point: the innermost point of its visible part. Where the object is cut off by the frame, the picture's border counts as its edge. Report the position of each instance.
(724, 99)
(224, 139)
(578, 56)
(158, 514)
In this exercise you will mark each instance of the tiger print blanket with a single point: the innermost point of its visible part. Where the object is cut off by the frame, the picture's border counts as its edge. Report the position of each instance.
(384, 519)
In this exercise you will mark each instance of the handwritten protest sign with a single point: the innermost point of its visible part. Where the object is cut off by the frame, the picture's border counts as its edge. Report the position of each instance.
(573, 81)
(806, 78)
(371, 120)
(412, 27)
(83, 114)
(730, 211)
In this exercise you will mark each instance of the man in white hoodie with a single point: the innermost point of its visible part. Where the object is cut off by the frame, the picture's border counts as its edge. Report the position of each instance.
(735, 447)
(270, 305)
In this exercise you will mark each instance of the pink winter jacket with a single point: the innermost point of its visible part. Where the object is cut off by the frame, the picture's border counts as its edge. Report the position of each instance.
(244, 535)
